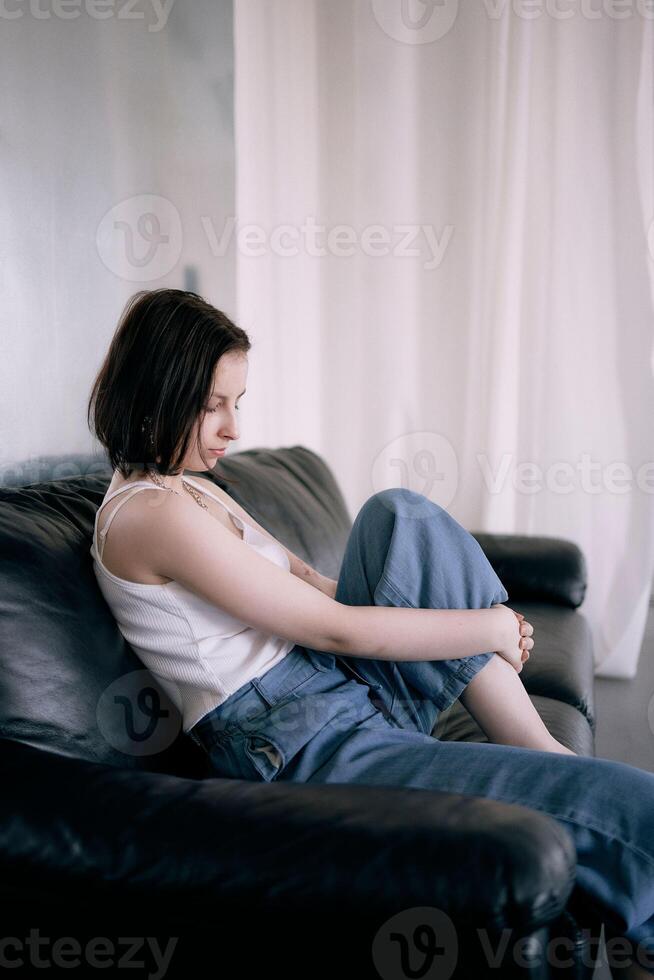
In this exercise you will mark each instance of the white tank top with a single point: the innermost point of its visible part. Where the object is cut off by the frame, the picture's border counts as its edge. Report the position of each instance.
(197, 651)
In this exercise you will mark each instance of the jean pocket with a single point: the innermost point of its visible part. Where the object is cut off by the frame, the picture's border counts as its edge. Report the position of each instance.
(270, 740)
(247, 755)
(264, 755)
(236, 755)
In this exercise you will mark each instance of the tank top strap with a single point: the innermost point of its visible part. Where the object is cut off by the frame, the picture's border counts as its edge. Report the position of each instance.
(135, 487)
(210, 493)
(238, 521)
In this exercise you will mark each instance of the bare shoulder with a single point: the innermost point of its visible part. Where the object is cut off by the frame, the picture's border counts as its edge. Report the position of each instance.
(126, 550)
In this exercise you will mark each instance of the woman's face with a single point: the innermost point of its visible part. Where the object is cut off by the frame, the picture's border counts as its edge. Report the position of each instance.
(219, 424)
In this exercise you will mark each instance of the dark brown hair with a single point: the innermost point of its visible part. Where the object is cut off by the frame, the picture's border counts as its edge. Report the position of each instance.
(160, 366)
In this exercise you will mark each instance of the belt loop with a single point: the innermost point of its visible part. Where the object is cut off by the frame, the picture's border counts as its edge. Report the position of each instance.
(260, 686)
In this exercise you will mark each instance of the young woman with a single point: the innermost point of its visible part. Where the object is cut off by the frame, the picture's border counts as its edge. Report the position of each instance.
(283, 674)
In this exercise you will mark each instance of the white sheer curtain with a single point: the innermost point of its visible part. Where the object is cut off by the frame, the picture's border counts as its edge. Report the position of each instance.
(474, 317)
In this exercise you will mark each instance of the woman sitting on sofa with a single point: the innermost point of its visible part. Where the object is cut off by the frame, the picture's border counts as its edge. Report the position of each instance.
(282, 674)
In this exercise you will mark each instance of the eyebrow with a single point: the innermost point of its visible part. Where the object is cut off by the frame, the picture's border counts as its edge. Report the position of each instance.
(215, 394)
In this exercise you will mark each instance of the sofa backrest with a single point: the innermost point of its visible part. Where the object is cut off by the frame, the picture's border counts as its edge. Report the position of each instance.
(69, 681)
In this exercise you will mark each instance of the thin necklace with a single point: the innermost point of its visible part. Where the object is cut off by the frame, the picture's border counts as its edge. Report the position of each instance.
(194, 493)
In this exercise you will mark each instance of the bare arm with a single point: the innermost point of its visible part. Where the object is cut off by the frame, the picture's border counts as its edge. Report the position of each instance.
(310, 575)
(400, 633)
(199, 553)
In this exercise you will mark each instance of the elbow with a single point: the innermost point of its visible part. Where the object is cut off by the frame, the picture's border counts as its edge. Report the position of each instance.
(331, 634)
(346, 639)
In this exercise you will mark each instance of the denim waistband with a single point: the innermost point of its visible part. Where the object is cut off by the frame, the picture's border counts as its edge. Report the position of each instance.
(299, 664)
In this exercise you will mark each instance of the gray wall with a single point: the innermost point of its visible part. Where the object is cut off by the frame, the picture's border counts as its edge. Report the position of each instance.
(117, 164)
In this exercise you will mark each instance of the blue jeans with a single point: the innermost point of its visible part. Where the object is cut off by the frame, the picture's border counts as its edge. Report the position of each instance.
(323, 718)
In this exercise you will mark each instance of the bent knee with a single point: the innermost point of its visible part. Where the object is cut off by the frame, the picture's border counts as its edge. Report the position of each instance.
(403, 499)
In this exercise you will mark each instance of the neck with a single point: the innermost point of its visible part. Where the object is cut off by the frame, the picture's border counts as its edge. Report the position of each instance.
(174, 481)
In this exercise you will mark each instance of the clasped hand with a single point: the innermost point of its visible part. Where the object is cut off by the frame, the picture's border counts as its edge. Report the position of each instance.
(517, 653)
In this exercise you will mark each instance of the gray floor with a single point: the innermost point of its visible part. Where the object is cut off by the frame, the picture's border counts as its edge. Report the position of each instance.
(625, 711)
(625, 725)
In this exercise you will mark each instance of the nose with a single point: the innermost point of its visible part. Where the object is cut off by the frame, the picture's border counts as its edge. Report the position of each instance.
(230, 430)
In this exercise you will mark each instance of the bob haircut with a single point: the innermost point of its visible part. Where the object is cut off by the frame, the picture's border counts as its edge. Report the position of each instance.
(156, 378)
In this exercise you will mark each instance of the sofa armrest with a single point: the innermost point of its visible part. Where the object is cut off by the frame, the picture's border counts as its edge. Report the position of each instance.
(543, 569)
(189, 848)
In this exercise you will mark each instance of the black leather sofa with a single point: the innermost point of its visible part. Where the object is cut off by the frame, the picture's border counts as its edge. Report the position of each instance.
(103, 835)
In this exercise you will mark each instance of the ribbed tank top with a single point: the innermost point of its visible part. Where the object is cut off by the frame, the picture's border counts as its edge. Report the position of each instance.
(198, 652)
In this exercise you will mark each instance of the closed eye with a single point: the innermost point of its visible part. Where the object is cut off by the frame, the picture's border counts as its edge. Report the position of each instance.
(237, 407)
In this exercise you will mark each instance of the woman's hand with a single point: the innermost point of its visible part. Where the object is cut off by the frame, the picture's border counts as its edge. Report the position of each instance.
(518, 638)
